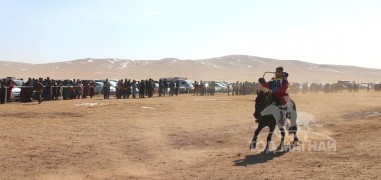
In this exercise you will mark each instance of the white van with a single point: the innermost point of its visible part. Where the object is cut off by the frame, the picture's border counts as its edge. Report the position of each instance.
(186, 86)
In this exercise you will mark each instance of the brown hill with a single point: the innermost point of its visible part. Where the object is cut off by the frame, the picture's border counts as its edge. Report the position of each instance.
(230, 68)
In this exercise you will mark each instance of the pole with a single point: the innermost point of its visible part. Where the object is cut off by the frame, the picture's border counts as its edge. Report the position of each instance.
(5, 95)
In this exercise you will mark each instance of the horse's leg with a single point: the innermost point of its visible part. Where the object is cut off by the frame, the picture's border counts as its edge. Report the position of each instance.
(296, 140)
(281, 145)
(293, 116)
(253, 143)
(267, 149)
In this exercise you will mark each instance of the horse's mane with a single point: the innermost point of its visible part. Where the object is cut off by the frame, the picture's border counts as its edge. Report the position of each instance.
(263, 100)
(268, 96)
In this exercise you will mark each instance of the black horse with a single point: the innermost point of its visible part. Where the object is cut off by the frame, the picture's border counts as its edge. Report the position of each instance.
(261, 102)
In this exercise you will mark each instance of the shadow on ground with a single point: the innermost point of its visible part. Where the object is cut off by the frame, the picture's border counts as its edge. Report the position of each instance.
(258, 158)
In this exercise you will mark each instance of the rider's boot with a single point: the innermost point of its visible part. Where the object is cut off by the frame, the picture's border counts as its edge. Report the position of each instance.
(283, 114)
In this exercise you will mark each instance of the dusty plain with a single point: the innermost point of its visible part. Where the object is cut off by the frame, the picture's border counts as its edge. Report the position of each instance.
(188, 137)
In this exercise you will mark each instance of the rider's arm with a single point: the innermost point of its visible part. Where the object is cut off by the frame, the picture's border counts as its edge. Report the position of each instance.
(266, 85)
(263, 82)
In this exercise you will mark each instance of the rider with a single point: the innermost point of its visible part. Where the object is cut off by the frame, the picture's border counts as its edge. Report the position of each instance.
(278, 86)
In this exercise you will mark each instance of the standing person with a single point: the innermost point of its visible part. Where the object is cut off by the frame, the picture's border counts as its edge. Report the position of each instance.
(233, 88)
(119, 89)
(202, 88)
(79, 89)
(195, 91)
(228, 89)
(165, 87)
(142, 88)
(124, 87)
(3, 92)
(9, 89)
(29, 90)
(212, 88)
(237, 88)
(65, 89)
(161, 87)
(47, 89)
(92, 86)
(146, 89)
(59, 89)
(54, 89)
(38, 90)
(106, 89)
(177, 88)
(171, 88)
(86, 89)
(150, 88)
(23, 93)
(127, 84)
(133, 89)
(72, 94)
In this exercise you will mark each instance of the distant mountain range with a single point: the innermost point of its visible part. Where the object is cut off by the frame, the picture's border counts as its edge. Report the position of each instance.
(230, 68)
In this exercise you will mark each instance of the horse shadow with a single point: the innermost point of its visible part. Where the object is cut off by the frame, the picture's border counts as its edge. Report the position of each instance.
(258, 158)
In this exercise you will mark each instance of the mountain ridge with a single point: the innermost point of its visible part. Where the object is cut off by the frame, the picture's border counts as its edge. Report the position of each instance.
(230, 68)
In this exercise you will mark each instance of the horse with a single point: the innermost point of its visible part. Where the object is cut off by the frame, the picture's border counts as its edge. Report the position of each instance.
(266, 114)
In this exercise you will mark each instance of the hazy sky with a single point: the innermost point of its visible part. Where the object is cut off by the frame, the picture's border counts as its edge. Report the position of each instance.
(346, 32)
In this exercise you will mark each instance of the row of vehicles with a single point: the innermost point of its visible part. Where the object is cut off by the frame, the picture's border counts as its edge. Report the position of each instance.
(187, 86)
(184, 85)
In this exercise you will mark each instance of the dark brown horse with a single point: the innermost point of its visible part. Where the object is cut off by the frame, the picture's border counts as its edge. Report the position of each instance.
(261, 102)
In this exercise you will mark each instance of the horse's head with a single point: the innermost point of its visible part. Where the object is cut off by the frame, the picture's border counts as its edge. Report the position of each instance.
(260, 102)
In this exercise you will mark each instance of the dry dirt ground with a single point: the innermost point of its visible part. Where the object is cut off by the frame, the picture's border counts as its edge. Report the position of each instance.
(188, 137)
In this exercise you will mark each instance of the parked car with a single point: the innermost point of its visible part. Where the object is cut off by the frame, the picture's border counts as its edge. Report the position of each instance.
(156, 87)
(98, 86)
(225, 83)
(113, 83)
(220, 87)
(15, 93)
(185, 85)
(101, 83)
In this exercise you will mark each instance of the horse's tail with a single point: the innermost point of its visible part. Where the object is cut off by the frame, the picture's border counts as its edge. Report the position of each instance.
(293, 104)
(293, 115)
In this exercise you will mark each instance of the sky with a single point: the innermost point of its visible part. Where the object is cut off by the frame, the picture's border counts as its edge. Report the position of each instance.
(342, 32)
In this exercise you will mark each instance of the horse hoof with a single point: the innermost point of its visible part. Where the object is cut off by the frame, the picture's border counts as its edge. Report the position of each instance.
(252, 145)
(295, 143)
(281, 146)
(287, 150)
(266, 151)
